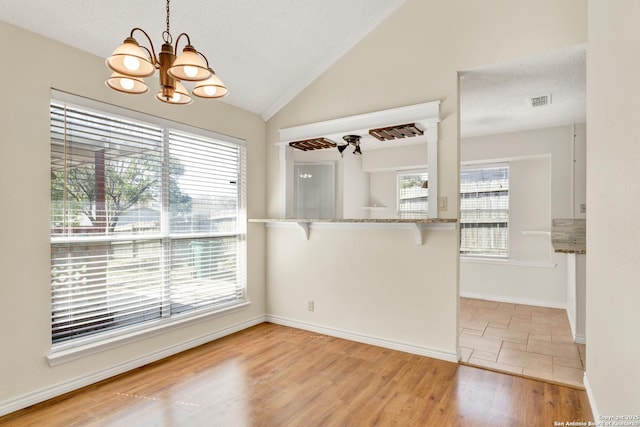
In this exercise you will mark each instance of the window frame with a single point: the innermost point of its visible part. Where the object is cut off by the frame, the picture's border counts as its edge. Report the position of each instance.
(503, 256)
(71, 349)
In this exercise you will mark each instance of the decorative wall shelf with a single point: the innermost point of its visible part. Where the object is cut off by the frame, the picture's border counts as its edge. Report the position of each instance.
(374, 208)
(537, 232)
(417, 225)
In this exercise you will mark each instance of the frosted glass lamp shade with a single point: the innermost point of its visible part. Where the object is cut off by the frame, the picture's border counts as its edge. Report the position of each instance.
(180, 96)
(211, 87)
(189, 66)
(130, 60)
(127, 84)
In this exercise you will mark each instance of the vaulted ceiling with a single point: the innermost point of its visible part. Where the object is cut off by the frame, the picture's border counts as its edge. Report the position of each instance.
(268, 51)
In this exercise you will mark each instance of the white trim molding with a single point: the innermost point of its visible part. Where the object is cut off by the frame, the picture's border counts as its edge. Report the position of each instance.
(506, 262)
(515, 300)
(592, 400)
(449, 356)
(426, 114)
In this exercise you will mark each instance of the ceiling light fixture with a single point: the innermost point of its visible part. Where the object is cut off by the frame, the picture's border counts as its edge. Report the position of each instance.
(131, 63)
(353, 140)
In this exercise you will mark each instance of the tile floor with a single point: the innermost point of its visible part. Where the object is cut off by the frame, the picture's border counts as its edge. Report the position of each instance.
(521, 339)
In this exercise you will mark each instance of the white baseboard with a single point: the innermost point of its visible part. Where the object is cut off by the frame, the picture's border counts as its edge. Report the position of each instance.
(38, 396)
(453, 356)
(592, 401)
(515, 300)
(579, 339)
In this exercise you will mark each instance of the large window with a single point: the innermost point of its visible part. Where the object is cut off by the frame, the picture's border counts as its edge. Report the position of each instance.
(147, 222)
(484, 211)
(413, 194)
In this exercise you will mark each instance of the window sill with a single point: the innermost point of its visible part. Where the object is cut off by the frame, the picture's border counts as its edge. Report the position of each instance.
(66, 352)
(507, 262)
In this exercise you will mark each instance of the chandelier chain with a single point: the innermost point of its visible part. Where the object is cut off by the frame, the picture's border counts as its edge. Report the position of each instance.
(166, 35)
(168, 16)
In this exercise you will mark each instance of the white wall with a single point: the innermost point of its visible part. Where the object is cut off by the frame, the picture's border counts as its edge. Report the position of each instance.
(368, 284)
(355, 189)
(384, 191)
(576, 296)
(25, 297)
(395, 158)
(439, 38)
(540, 188)
(613, 203)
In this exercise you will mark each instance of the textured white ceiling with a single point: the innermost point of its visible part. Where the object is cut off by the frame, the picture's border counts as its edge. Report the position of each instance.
(266, 51)
(494, 99)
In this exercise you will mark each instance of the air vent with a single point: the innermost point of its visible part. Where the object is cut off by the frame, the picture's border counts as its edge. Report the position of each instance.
(312, 144)
(540, 101)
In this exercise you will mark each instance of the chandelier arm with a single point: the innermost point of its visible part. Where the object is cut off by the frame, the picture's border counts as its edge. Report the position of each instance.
(178, 40)
(205, 59)
(154, 59)
(151, 55)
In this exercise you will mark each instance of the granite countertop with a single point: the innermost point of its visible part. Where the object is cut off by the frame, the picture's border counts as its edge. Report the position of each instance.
(570, 251)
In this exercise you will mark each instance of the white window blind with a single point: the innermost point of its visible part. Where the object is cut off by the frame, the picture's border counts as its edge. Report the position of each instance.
(146, 222)
(413, 195)
(484, 211)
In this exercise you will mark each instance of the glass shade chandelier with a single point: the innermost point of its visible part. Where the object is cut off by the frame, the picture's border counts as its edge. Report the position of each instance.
(131, 63)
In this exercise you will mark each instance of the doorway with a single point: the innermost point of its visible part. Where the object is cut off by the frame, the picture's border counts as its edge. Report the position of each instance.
(530, 115)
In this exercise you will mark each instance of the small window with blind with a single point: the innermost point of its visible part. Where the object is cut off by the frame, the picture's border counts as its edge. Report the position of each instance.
(413, 194)
(146, 222)
(484, 211)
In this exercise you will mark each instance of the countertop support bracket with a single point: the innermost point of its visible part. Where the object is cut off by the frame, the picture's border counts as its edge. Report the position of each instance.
(305, 228)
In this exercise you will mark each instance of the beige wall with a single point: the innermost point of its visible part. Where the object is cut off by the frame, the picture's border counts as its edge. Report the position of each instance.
(41, 64)
(613, 201)
(412, 57)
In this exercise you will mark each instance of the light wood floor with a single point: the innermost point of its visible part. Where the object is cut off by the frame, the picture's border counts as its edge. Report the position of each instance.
(271, 375)
(521, 339)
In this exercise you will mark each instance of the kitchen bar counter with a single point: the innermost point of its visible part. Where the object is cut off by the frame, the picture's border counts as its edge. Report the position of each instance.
(417, 225)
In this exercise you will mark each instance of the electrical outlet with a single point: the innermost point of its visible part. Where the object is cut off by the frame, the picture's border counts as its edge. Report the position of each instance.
(442, 203)
(311, 305)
